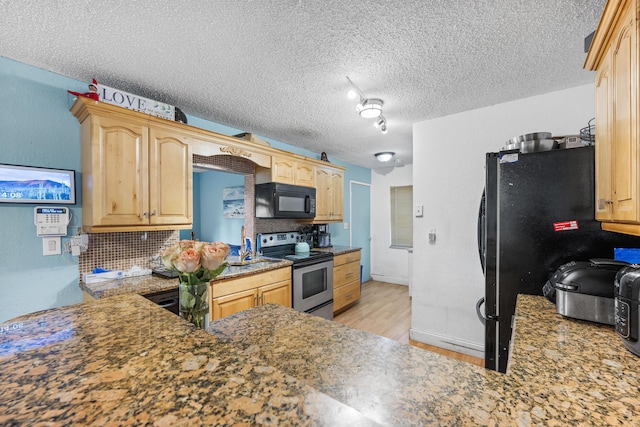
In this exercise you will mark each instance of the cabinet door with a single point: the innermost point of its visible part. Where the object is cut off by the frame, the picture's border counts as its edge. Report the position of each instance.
(337, 195)
(277, 293)
(304, 174)
(170, 178)
(323, 194)
(624, 63)
(603, 147)
(118, 182)
(231, 304)
(282, 170)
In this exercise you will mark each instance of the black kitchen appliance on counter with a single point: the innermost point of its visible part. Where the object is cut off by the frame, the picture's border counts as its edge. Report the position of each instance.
(321, 236)
(537, 213)
(627, 302)
(584, 289)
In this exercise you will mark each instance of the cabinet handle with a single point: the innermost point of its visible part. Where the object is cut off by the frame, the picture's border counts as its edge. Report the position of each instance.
(349, 295)
(145, 214)
(153, 213)
(349, 274)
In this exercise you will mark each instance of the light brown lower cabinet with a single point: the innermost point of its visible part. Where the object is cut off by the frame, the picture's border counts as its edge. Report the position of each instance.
(230, 296)
(346, 279)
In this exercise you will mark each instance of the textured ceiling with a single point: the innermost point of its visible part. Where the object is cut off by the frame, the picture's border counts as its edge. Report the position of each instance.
(277, 68)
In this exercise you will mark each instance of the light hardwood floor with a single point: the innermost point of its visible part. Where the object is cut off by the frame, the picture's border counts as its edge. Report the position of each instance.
(385, 309)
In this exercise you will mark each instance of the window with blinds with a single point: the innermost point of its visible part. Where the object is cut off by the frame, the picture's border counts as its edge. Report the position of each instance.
(401, 216)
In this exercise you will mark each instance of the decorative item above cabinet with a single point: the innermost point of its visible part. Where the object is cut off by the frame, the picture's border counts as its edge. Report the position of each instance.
(614, 57)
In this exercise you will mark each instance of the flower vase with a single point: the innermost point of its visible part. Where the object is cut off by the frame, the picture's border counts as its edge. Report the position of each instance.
(194, 303)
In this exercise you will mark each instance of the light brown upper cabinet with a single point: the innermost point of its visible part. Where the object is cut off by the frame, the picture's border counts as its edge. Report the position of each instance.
(614, 57)
(327, 179)
(287, 170)
(329, 194)
(136, 174)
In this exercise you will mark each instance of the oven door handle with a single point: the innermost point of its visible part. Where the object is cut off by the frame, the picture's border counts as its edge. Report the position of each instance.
(167, 302)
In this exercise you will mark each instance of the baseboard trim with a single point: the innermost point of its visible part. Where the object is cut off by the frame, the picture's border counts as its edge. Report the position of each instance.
(449, 343)
(389, 279)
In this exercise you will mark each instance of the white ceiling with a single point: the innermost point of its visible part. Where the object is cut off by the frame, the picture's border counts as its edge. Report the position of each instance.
(278, 68)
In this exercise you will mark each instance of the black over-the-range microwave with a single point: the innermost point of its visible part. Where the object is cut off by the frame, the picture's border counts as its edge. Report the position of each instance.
(276, 200)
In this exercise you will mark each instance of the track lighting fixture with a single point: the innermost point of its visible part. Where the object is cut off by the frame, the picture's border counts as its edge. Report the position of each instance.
(381, 123)
(368, 108)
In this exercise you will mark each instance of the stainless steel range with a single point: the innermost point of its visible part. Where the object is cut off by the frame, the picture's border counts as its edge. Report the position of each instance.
(312, 272)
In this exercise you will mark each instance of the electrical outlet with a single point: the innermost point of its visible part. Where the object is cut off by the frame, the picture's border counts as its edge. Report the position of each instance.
(419, 211)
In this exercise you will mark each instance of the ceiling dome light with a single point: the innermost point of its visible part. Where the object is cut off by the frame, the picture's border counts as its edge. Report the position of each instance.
(371, 108)
(384, 156)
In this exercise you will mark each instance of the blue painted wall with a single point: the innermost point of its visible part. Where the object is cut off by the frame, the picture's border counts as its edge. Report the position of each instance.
(213, 225)
(37, 129)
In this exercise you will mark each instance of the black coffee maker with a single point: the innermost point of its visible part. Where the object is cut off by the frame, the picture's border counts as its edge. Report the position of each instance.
(321, 236)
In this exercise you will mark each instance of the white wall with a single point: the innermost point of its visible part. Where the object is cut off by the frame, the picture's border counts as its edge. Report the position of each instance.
(448, 179)
(387, 265)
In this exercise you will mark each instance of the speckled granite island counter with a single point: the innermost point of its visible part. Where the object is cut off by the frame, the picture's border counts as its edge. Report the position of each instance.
(338, 250)
(126, 361)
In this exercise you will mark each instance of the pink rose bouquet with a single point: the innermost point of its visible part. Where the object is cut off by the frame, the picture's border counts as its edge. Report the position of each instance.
(197, 263)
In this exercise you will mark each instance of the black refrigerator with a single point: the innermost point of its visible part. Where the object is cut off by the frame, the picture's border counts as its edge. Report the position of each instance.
(537, 213)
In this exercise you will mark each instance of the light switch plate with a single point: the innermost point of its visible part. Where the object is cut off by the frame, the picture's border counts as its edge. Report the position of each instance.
(51, 246)
(346, 225)
(419, 210)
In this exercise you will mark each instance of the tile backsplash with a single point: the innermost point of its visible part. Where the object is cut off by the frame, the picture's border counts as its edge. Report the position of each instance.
(122, 251)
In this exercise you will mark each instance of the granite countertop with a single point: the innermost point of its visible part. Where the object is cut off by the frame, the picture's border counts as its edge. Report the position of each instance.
(126, 361)
(337, 250)
(149, 284)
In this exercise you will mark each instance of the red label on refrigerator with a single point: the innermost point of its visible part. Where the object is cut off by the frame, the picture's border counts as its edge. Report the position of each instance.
(565, 225)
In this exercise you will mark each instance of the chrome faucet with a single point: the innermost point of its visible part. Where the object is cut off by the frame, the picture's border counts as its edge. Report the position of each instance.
(245, 247)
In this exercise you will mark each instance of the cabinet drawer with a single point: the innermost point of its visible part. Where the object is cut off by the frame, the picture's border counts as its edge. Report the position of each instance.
(345, 295)
(346, 273)
(346, 258)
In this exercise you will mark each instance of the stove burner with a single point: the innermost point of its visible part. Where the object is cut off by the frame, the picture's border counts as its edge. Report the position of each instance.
(282, 246)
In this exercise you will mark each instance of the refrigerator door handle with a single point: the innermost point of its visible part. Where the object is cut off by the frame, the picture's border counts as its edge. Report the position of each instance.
(484, 317)
(481, 316)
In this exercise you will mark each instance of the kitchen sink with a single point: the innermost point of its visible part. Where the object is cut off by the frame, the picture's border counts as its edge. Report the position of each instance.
(234, 267)
(252, 262)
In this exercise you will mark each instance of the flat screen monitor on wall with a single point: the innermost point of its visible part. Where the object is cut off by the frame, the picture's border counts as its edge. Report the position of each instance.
(28, 184)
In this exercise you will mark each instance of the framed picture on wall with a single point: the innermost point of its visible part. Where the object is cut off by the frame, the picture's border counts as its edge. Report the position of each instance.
(233, 202)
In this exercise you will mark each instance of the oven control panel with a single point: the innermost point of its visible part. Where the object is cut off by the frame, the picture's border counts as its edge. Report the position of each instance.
(279, 239)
